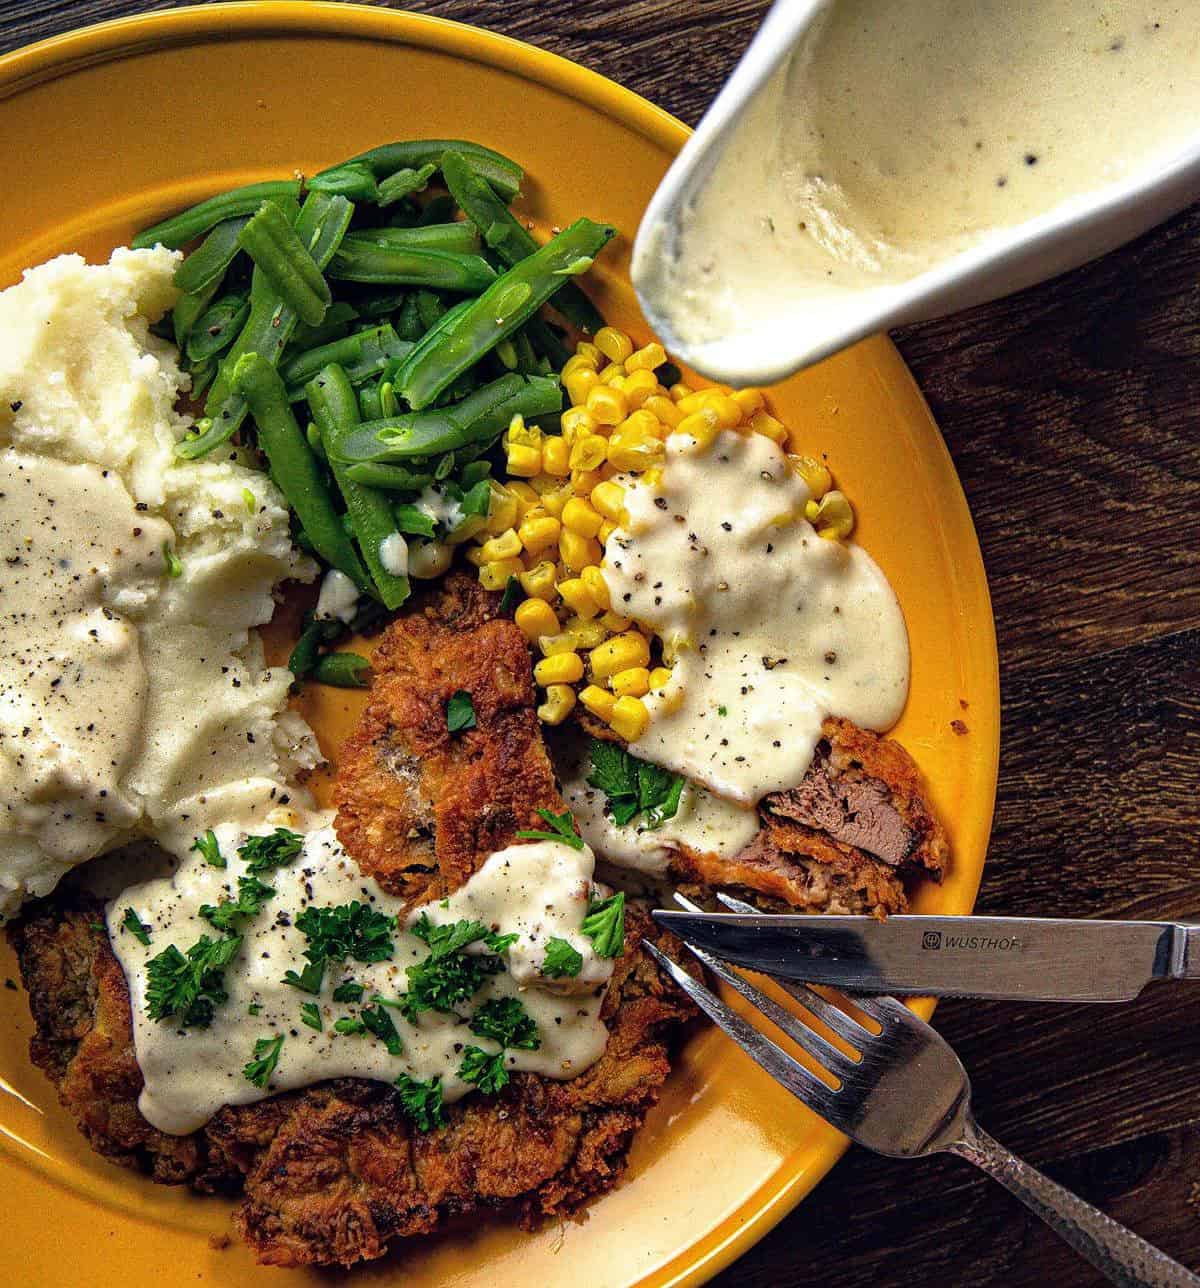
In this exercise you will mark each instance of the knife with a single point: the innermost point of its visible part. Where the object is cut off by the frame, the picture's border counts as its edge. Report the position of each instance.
(1032, 959)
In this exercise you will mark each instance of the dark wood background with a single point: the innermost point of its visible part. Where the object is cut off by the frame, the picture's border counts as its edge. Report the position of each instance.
(1071, 411)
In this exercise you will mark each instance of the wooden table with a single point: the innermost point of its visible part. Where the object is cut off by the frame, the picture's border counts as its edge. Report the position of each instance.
(1071, 413)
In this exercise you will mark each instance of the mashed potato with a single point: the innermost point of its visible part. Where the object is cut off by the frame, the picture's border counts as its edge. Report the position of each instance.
(133, 691)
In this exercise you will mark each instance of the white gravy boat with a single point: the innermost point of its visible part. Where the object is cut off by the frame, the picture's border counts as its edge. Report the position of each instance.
(1005, 259)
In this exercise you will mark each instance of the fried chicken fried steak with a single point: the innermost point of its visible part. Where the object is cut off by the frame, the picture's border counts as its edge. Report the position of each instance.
(335, 1173)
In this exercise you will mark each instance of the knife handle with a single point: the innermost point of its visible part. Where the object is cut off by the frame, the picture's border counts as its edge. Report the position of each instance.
(1120, 1255)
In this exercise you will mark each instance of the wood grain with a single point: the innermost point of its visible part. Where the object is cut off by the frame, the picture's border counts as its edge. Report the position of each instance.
(1071, 413)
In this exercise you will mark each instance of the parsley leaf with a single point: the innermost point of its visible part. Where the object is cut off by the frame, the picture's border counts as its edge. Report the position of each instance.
(379, 1022)
(262, 853)
(210, 848)
(226, 915)
(266, 1057)
(347, 930)
(457, 935)
(255, 1008)
(563, 826)
(310, 1014)
(634, 786)
(460, 712)
(412, 521)
(348, 1025)
(449, 976)
(422, 1101)
(605, 925)
(485, 1070)
(477, 499)
(506, 1021)
(190, 985)
(310, 978)
(348, 991)
(136, 927)
(512, 595)
(561, 959)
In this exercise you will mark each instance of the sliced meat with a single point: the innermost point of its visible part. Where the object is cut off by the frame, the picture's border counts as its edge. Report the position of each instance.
(864, 793)
(421, 808)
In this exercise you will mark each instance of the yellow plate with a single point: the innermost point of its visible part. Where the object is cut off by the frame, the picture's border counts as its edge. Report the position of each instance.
(112, 127)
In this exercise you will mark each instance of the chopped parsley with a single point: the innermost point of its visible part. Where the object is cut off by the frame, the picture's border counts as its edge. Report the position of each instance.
(266, 1057)
(98, 926)
(310, 978)
(229, 913)
(722, 711)
(348, 991)
(634, 786)
(255, 1008)
(605, 925)
(562, 829)
(506, 1021)
(511, 596)
(457, 935)
(450, 976)
(208, 846)
(413, 522)
(262, 853)
(376, 1020)
(422, 1101)
(190, 985)
(136, 927)
(561, 960)
(460, 712)
(349, 1026)
(171, 565)
(310, 1014)
(485, 1070)
(347, 930)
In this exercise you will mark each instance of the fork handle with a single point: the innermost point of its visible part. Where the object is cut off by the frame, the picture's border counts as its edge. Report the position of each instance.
(1119, 1254)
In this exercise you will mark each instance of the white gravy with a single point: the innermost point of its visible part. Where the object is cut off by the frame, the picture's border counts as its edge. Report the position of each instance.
(771, 628)
(903, 131)
(539, 890)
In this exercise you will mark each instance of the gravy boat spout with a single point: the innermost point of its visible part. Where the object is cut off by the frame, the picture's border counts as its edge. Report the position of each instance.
(748, 309)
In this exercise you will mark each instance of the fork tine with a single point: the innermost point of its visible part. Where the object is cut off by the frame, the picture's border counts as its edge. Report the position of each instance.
(808, 1039)
(788, 1072)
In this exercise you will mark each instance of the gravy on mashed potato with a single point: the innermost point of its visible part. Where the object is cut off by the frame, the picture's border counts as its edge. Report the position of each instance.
(131, 685)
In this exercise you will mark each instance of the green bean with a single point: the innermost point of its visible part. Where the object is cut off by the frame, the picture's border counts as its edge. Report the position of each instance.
(548, 342)
(334, 407)
(370, 405)
(438, 210)
(315, 632)
(360, 260)
(458, 235)
(272, 244)
(408, 320)
(217, 329)
(403, 183)
(202, 376)
(353, 180)
(343, 670)
(188, 310)
(210, 261)
(337, 323)
(506, 305)
(480, 416)
(392, 478)
(181, 228)
(378, 303)
(321, 225)
(430, 309)
(363, 354)
(507, 236)
(504, 175)
(294, 468)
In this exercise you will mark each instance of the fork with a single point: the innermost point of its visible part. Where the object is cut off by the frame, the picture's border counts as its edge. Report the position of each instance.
(906, 1095)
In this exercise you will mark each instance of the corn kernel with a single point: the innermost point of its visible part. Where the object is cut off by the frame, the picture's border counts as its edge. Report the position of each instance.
(701, 425)
(584, 480)
(584, 635)
(727, 412)
(607, 405)
(618, 654)
(506, 546)
(578, 598)
(470, 527)
(539, 532)
(639, 386)
(502, 509)
(554, 644)
(579, 516)
(597, 587)
(609, 499)
(588, 452)
(832, 516)
(523, 461)
(579, 384)
(647, 358)
(560, 668)
(577, 421)
(680, 390)
(523, 492)
(535, 617)
(598, 701)
(474, 556)
(578, 362)
(613, 374)
(615, 622)
(607, 528)
(629, 718)
(539, 581)
(749, 400)
(560, 702)
(635, 450)
(614, 344)
(660, 677)
(634, 682)
(519, 432)
(586, 349)
(555, 454)
(556, 499)
(494, 576)
(815, 474)
(577, 551)
(663, 409)
(764, 423)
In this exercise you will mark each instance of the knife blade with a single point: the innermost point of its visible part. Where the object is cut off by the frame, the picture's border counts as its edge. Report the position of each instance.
(1005, 958)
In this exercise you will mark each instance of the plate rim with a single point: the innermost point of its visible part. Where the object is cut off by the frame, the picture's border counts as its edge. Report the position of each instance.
(54, 56)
